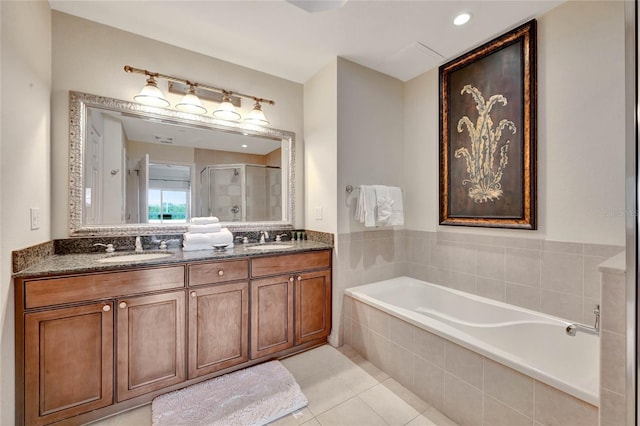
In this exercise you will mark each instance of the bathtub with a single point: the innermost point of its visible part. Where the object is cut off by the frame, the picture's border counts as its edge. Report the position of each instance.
(530, 342)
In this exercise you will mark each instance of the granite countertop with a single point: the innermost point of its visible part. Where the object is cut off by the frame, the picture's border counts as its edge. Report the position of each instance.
(57, 264)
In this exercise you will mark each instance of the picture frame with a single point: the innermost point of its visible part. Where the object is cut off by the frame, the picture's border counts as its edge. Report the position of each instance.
(488, 134)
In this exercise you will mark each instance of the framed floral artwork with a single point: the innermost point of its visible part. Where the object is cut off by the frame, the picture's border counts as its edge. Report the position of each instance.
(488, 134)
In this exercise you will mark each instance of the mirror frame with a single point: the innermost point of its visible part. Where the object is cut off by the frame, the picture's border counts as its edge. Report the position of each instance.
(78, 104)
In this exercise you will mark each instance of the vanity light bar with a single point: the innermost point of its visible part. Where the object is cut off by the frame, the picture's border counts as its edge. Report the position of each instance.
(180, 85)
(202, 93)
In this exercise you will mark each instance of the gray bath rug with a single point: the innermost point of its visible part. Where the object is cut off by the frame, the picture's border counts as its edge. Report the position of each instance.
(253, 396)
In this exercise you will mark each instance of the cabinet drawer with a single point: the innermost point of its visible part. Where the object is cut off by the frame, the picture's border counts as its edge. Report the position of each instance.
(284, 264)
(215, 272)
(55, 291)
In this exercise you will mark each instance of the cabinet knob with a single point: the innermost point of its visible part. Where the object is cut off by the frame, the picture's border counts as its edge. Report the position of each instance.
(220, 272)
(291, 279)
(194, 294)
(106, 308)
(122, 305)
(299, 278)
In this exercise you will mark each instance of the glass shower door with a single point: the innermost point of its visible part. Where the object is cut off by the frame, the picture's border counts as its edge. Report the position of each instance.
(225, 193)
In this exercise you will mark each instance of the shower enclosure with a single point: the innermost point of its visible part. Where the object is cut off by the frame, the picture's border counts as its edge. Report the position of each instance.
(241, 192)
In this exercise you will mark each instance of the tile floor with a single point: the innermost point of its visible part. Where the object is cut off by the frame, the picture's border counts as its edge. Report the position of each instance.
(342, 388)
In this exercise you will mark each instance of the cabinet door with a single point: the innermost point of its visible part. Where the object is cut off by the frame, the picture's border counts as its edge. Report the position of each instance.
(150, 343)
(313, 305)
(271, 315)
(68, 362)
(218, 327)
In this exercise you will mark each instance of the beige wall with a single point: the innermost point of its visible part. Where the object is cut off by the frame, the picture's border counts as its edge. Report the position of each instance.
(25, 58)
(90, 57)
(321, 138)
(370, 135)
(580, 130)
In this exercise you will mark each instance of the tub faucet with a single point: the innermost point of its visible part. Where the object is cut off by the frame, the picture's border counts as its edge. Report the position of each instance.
(595, 330)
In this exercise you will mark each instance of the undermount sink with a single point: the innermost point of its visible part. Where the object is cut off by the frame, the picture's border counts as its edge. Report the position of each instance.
(270, 247)
(134, 257)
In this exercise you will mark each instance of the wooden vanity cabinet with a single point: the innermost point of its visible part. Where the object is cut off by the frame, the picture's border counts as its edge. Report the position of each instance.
(68, 359)
(271, 315)
(68, 362)
(218, 316)
(150, 348)
(90, 345)
(313, 305)
(294, 307)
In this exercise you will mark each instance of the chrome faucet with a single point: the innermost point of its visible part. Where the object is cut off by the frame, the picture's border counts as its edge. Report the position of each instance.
(108, 247)
(264, 235)
(595, 330)
(138, 248)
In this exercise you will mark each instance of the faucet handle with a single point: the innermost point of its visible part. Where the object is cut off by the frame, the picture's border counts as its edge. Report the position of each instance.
(163, 245)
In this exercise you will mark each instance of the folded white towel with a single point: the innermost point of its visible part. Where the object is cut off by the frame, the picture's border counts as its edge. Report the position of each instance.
(380, 205)
(366, 206)
(223, 237)
(384, 203)
(397, 208)
(204, 220)
(205, 229)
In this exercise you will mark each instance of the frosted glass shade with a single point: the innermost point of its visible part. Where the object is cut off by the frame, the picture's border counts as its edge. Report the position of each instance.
(151, 95)
(191, 104)
(226, 110)
(256, 116)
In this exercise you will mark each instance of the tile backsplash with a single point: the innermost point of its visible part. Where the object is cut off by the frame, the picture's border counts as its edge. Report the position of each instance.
(557, 278)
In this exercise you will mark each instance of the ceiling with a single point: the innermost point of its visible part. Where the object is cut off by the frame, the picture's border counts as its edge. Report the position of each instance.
(400, 38)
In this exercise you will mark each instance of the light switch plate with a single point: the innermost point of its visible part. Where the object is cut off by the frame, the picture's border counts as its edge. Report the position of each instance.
(35, 218)
(318, 213)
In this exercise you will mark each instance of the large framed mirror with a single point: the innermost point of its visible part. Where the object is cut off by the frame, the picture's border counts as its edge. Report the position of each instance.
(140, 170)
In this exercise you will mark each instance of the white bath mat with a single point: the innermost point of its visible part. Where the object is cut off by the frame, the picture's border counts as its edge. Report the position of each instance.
(253, 396)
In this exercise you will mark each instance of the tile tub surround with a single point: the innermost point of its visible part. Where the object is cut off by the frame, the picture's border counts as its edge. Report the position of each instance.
(556, 278)
(613, 342)
(465, 386)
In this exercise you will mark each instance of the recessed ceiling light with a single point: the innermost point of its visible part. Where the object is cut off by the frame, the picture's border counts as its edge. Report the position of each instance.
(462, 19)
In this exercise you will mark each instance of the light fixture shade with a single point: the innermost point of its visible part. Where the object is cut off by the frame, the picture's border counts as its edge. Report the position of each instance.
(151, 95)
(226, 110)
(256, 116)
(191, 103)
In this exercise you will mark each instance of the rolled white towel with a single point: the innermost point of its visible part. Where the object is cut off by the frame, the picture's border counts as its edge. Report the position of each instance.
(204, 220)
(205, 229)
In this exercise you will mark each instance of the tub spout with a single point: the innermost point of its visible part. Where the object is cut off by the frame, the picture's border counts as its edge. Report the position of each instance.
(573, 328)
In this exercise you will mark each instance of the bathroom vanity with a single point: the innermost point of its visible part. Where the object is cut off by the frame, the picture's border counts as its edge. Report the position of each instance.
(95, 341)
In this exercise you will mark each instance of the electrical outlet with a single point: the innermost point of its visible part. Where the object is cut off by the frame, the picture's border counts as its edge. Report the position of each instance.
(35, 218)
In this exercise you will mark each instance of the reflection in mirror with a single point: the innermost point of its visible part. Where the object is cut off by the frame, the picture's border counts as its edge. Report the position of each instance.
(136, 169)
